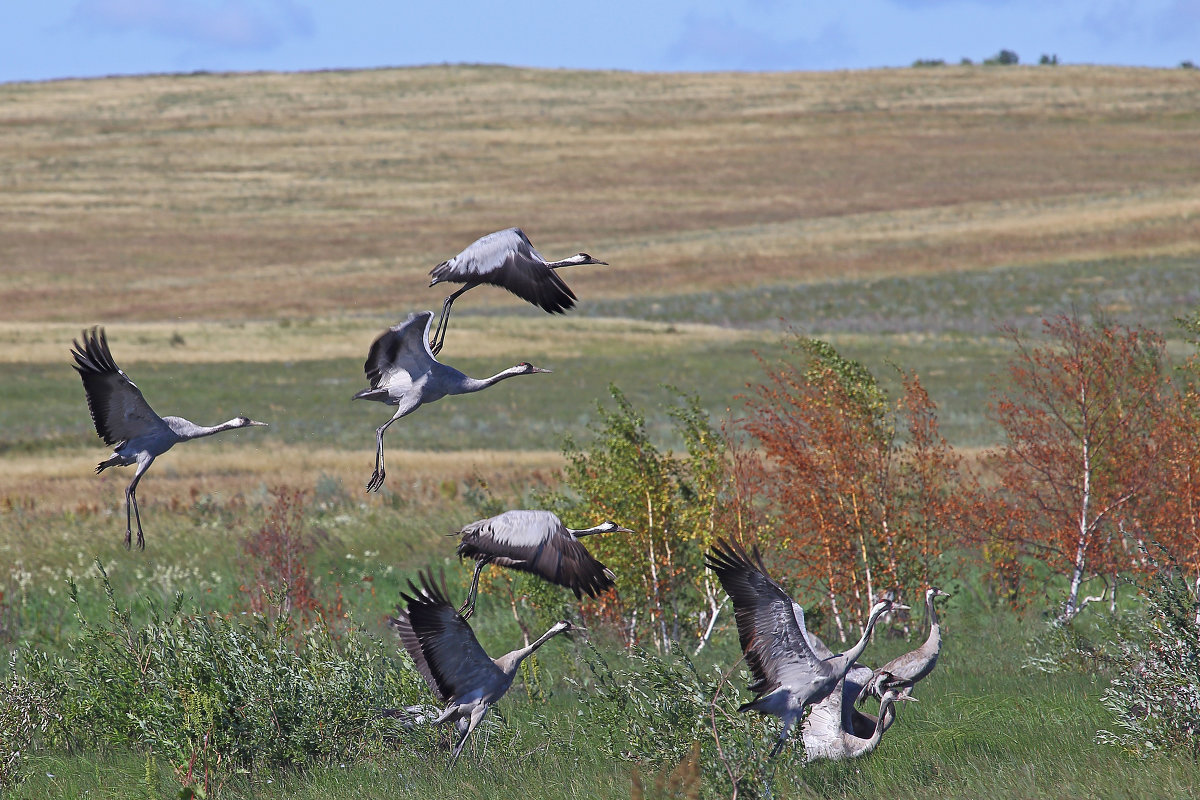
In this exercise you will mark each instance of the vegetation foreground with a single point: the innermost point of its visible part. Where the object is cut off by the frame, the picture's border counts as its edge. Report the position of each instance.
(986, 725)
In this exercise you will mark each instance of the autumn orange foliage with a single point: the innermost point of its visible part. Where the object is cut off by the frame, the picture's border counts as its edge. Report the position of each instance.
(1082, 419)
(866, 493)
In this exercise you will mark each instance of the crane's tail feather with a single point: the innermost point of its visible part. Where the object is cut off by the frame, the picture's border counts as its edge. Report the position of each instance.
(374, 393)
(112, 461)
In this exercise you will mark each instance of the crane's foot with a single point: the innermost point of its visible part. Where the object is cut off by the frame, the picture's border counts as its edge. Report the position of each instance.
(376, 481)
(141, 541)
(467, 610)
(128, 538)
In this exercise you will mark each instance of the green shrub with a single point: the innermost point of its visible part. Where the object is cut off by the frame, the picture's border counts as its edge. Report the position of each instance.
(215, 694)
(25, 711)
(1155, 691)
(653, 710)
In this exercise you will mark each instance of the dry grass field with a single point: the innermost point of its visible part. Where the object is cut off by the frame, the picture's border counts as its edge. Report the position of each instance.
(281, 219)
(235, 197)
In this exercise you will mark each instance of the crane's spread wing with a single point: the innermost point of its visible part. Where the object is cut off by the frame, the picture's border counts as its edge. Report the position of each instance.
(508, 259)
(819, 648)
(456, 661)
(403, 347)
(119, 411)
(776, 649)
(536, 542)
(402, 625)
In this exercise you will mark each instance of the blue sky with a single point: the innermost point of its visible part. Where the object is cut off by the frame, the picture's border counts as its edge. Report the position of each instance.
(64, 38)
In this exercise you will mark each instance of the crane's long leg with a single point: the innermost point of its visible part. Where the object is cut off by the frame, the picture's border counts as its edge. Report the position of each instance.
(131, 504)
(468, 608)
(788, 721)
(439, 335)
(378, 475)
(476, 715)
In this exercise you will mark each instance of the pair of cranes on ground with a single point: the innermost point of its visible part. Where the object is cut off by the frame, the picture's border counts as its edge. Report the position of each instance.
(792, 669)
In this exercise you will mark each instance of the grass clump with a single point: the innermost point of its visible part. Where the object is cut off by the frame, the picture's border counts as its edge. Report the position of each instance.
(213, 694)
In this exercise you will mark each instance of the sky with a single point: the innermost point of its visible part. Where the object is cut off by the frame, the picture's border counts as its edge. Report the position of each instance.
(48, 39)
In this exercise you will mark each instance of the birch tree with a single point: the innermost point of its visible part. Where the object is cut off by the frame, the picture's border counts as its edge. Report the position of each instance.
(1079, 418)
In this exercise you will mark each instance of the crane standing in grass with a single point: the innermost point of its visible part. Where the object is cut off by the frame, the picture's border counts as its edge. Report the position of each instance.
(788, 676)
(448, 655)
(125, 421)
(536, 542)
(404, 373)
(506, 258)
(916, 664)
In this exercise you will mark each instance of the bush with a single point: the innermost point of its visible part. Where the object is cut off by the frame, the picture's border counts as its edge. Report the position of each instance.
(654, 710)
(214, 694)
(1155, 692)
(25, 712)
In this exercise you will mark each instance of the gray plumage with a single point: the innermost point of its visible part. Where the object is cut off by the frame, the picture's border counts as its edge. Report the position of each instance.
(536, 542)
(916, 664)
(844, 696)
(125, 421)
(403, 373)
(834, 729)
(507, 259)
(788, 675)
(444, 648)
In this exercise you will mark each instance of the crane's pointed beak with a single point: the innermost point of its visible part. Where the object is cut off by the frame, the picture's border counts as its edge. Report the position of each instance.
(605, 263)
(622, 530)
(901, 607)
(258, 424)
(539, 369)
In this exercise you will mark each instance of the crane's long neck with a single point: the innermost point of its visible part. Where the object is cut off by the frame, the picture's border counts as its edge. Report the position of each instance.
(575, 260)
(478, 384)
(186, 429)
(510, 661)
(851, 655)
(886, 714)
(589, 531)
(935, 629)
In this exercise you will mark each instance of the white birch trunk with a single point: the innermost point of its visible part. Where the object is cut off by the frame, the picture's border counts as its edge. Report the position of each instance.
(1080, 564)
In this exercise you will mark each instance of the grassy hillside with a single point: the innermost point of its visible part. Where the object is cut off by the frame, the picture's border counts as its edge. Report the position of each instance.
(282, 220)
(263, 196)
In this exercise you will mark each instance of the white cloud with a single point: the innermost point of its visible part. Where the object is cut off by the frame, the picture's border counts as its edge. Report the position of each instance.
(229, 24)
